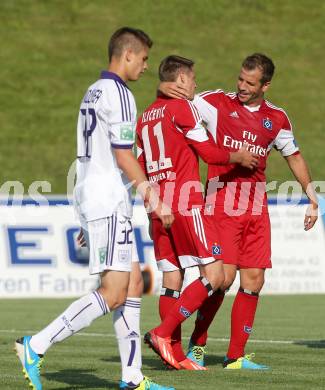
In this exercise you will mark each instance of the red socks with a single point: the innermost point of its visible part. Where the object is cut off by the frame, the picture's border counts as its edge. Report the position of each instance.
(190, 300)
(242, 319)
(205, 316)
(167, 299)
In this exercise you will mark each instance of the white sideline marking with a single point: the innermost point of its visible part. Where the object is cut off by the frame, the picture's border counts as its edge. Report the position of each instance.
(111, 335)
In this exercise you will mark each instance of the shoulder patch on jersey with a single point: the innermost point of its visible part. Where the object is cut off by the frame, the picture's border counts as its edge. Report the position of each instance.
(127, 132)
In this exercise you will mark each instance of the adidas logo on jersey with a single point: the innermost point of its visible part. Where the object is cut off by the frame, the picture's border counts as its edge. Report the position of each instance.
(234, 114)
(133, 335)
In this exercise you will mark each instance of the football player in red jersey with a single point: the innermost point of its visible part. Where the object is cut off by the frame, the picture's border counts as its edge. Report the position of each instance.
(170, 140)
(237, 197)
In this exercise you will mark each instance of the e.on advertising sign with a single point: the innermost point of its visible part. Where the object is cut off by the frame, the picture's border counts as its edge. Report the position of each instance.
(39, 256)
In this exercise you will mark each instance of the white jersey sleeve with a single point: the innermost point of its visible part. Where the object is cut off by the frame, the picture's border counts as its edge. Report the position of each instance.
(208, 113)
(285, 143)
(197, 132)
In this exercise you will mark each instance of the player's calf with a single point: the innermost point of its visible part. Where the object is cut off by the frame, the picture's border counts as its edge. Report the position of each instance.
(213, 272)
(114, 287)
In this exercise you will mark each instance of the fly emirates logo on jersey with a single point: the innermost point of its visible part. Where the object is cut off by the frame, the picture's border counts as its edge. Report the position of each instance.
(248, 140)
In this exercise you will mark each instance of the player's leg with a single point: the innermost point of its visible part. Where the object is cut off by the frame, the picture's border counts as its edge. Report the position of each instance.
(224, 237)
(205, 316)
(254, 258)
(188, 238)
(168, 263)
(170, 292)
(79, 315)
(126, 320)
(82, 312)
(243, 312)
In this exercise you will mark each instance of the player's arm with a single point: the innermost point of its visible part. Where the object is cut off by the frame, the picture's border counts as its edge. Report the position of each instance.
(286, 145)
(211, 154)
(199, 139)
(140, 153)
(299, 168)
(127, 162)
(142, 162)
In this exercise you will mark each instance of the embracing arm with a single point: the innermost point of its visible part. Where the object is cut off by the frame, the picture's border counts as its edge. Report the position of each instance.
(212, 154)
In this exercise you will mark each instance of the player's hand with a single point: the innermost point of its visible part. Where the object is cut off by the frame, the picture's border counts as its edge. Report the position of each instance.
(311, 216)
(248, 160)
(165, 214)
(173, 90)
(81, 241)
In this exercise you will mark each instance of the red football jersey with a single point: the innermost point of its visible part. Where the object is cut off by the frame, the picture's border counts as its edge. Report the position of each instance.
(232, 125)
(170, 136)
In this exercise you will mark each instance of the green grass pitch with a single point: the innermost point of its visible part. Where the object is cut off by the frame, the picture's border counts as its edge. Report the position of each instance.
(288, 335)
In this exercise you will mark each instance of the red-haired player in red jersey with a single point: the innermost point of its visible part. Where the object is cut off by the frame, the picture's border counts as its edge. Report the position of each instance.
(170, 139)
(236, 197)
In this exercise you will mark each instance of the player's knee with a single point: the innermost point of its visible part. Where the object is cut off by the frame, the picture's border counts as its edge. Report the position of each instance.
(254, 282)
(173, 280)
(113, 299)
(226, 285)
(135, 286)
(258, 285)
(257, 281)
(116, 301)
(228, 281)
(216, 280)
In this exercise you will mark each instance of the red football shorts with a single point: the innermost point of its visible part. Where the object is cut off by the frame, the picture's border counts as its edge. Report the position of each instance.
(245, 239)
(191, 241)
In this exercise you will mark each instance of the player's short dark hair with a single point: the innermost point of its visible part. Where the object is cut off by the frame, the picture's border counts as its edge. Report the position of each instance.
(171, 65)
(261, 61)
(127, 37)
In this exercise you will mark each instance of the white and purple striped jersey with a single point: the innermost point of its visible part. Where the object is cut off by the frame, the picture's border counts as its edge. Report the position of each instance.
(107, 120)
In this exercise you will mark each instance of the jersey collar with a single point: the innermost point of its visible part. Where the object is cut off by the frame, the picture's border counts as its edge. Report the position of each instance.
(105, 74)
(261, 106)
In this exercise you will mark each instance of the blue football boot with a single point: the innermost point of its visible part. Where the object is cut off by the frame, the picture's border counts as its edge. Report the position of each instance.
(30, 361)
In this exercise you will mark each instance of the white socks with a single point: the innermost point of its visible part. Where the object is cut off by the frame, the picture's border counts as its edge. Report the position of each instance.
(77, 316)
(126, 320)
(81, 314)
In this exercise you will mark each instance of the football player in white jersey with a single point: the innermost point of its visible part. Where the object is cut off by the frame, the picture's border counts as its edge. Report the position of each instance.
(105, 167)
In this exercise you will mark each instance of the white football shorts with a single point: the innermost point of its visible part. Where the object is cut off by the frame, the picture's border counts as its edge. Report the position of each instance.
(111, 244)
